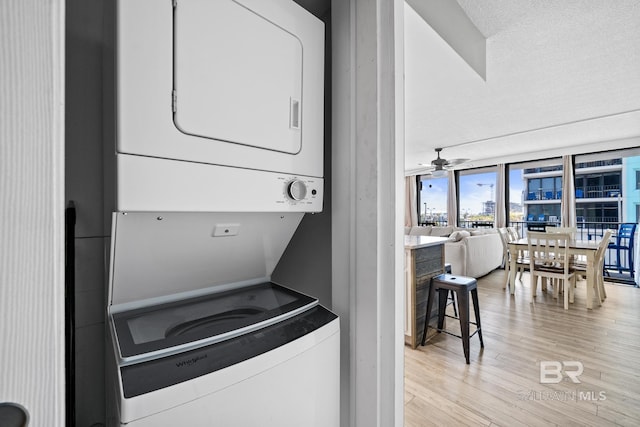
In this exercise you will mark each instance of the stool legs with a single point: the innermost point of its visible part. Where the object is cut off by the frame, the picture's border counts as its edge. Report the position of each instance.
(453, 301)
(463, 310)
(443, 295)
(476, 310)
(432, 292)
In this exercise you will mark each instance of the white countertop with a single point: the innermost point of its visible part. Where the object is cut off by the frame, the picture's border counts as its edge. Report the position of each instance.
(415, 242)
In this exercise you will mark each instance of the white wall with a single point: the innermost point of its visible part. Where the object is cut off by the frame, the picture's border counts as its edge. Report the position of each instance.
(367, 216)
(32, 208)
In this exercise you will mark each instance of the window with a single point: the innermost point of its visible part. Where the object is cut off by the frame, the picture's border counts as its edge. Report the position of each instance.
(543, 183)
(477, 198)
(607, 180)
(516, 194)
(432, 202)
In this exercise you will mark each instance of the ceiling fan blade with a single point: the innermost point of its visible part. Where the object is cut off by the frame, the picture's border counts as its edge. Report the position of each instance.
(454, 162)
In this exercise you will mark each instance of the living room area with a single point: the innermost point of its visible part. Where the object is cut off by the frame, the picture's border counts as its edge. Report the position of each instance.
(544, 133)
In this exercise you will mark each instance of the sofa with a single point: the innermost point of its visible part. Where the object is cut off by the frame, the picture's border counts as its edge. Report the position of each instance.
(430, 231)
(471, 252)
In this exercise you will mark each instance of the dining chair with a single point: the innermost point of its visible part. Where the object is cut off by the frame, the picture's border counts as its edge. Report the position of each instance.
(504, 238)
(598, 288)
(570, 230)
(624, 245)
(549, 258)
(522, 262)
(513, 234)
(573, 231)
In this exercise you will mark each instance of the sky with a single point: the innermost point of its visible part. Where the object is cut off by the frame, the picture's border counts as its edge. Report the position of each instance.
(472, 195)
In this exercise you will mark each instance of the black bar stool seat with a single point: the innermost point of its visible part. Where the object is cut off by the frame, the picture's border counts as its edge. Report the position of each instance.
(462, 286)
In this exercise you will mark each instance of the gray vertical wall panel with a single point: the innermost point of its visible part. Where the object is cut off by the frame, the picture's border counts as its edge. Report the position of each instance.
(32, 207)
(85, 186)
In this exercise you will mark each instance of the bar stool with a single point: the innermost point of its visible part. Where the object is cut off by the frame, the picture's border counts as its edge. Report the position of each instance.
(462, 286)
(451, 295)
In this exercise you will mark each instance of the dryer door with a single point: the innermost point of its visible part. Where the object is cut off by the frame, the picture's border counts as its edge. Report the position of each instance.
(237, 76)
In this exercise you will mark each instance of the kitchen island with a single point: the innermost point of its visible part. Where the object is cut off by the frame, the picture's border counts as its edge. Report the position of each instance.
(424, 258)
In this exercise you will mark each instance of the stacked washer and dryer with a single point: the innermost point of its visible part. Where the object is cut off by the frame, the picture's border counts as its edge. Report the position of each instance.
(217, 155)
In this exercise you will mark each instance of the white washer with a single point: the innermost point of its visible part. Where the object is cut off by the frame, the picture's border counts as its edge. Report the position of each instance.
(191, 346)
(277, 375)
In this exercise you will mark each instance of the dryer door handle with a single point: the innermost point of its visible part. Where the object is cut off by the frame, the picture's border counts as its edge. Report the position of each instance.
(294, 113)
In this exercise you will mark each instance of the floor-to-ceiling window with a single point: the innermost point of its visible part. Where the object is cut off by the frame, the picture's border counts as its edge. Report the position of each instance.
(515, 194)
(542, 189)
(477, 197)
(607, 187)
(598, 182)
(432, 200)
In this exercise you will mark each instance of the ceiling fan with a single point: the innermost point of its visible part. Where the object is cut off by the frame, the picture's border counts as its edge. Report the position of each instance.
(439, 166)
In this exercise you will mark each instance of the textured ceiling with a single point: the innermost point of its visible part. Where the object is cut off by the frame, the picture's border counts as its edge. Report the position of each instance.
(562, 76)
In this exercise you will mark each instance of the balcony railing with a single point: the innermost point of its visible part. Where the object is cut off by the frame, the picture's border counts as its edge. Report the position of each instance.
(589, 192)
(598, 192)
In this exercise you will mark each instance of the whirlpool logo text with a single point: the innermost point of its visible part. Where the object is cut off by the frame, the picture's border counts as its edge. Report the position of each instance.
(191, 361)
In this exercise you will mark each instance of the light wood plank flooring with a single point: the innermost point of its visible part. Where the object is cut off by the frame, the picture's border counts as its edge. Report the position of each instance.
(502, 387)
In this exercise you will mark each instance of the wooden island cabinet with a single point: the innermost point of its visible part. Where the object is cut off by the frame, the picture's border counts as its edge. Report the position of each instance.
(424, 258)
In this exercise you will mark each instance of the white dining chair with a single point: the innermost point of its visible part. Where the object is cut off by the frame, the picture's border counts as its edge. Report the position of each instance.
(570, 230)
(549, 258)
(598, 285)
(522, 262)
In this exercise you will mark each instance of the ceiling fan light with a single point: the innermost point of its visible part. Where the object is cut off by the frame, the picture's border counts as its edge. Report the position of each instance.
(439, 173)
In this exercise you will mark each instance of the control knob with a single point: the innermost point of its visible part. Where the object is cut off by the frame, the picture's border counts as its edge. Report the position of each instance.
(297, 189)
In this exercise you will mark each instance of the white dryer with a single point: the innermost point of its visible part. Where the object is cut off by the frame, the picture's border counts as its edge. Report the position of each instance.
(218, 105)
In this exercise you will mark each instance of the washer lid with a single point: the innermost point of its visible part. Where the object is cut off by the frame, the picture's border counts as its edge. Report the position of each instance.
(156, 256)
(237, 76)
(157, 331)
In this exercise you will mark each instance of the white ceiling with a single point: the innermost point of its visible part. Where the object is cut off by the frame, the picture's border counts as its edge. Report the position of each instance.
(563, 76)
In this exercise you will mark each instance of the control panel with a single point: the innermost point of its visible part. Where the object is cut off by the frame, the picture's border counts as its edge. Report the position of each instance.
(170, 186)
(302, 191)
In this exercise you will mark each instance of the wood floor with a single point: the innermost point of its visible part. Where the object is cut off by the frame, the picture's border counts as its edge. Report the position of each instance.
(502, 385)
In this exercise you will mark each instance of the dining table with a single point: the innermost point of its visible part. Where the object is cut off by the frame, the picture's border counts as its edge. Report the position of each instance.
(586, 248)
